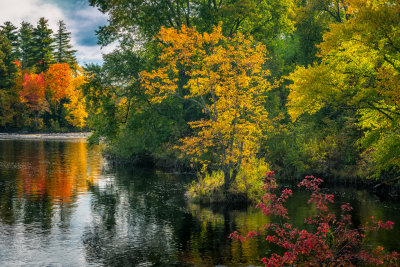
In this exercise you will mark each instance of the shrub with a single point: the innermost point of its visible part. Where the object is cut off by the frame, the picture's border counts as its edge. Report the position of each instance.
(247, 186)
(332, 242)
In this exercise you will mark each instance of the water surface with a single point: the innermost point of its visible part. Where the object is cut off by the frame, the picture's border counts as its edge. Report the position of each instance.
(61, 204)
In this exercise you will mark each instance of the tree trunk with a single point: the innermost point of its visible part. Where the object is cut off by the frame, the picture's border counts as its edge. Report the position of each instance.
(227, 179)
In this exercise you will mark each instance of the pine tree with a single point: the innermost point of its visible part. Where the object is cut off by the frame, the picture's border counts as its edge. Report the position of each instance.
(25, 45)
(10, 54)
(8, 72)
(42, 46)
(5, 48)
(10, 32)
(64, 52)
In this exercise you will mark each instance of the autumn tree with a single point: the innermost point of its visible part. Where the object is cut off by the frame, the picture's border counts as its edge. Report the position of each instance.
(225, 78)
(64, 95)
(76, 113)
(58, 79)
(359, 71)
(33, 91)
(32, 94)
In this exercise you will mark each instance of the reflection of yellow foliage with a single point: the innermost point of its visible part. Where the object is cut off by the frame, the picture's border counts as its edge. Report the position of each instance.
(70, 173)
(246, 253)
(246, 221)
(205, 215)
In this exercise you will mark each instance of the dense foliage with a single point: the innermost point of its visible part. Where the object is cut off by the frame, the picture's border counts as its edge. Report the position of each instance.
(328, 106)
(306, 86)
(40, 80)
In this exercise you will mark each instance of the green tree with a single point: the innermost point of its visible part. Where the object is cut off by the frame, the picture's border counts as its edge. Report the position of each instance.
(10, 32)
(263, 19)
(63, 49)
(359, 71)
(100, 101)
(10, 54)
(8, 96)
(25, 45)
(42, 44)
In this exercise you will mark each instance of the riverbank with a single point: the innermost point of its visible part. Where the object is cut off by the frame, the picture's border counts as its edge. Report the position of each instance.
(43, 136)
(380, 188)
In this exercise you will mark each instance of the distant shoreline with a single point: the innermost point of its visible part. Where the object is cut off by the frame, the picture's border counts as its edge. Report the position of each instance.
(43, 136)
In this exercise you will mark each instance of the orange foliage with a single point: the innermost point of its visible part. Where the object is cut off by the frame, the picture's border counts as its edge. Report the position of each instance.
(41, 91)
(76, 107)
(33, 91)
(58, 79)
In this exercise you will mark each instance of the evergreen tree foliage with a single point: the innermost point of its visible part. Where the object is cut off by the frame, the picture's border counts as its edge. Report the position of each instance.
(64, 52)
(10, 32)
(42, 46)
(25, 45)
(9, 48)
(5, 49)
(8, 70)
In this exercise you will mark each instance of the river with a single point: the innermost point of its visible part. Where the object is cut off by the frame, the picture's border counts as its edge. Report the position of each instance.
(62, 204)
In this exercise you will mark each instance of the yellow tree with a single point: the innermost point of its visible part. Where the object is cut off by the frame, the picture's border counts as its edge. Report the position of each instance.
(359, 70)
(76, 110)
(226, 78)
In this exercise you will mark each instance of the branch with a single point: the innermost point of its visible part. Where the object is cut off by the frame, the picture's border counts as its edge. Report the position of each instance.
(387, 182)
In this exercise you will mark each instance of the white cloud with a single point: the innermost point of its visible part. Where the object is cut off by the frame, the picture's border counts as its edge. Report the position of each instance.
(82, 21)
(92, 14)
(31, 11)
(88, 54)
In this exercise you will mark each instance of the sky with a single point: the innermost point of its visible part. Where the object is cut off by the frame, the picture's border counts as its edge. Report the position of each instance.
(81, 19)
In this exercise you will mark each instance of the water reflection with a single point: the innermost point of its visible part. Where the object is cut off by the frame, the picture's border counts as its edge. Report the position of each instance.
(51, 172)
(43, 188)
(60, 204)
(143, 217)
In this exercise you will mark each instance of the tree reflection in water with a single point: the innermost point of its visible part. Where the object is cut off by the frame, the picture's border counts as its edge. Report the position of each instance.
(142, 216)
(60, 205)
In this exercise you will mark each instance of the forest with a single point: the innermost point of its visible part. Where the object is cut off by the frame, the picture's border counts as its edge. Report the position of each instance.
(228, 89)
(40, 80)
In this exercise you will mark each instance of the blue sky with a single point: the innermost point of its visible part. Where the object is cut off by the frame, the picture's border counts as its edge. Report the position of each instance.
(81, 19)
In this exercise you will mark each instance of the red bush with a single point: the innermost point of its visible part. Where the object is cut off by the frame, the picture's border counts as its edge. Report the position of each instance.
(333, 242)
